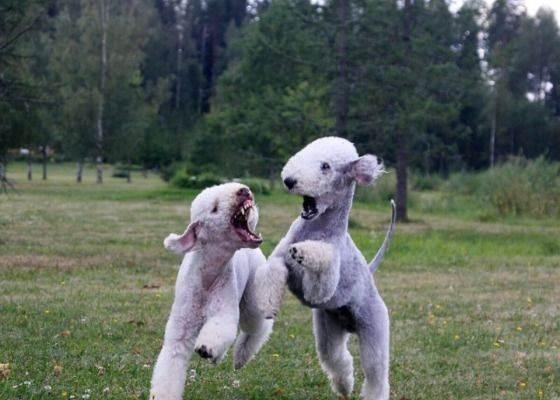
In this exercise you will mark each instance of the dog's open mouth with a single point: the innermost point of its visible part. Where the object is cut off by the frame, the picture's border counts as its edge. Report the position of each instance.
(240, 224)
(309, 208)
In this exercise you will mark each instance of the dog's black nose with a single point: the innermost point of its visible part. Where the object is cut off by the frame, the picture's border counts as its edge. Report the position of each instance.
(290, 182)
(244, 192)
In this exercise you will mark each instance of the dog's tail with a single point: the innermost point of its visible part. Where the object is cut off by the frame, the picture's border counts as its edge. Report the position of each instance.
(385, 245)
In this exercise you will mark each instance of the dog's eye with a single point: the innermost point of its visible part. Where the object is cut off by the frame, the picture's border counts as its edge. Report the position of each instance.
(325, 166)
(215, 209)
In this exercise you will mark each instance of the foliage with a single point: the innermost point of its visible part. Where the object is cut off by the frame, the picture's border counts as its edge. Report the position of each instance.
(182, 179)
(523, 187)
(257, 186)
(516, 187)
(423, 182)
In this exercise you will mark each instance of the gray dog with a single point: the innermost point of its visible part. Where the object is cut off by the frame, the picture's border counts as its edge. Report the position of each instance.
(322, 267)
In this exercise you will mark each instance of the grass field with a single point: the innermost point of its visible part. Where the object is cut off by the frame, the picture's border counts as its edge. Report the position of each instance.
(86, 286)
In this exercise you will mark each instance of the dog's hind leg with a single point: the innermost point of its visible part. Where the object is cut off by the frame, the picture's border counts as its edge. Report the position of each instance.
(250, 340)
(331, 341)
(374, 350)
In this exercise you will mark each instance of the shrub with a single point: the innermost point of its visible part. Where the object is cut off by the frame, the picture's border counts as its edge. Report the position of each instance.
(120, 173)
(423, 182)
(169, 171)
(522, 187)
(183, 180)
(466, 183)
(257, 185)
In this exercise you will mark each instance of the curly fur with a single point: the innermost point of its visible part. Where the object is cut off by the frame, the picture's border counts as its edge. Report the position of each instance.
(214, 293)
(322, 267)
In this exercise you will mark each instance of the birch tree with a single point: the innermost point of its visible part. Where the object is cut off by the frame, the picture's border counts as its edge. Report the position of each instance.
(104, 12)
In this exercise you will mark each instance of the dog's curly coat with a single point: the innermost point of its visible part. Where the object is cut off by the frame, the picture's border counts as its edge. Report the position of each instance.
(321, 265)
(215, 289)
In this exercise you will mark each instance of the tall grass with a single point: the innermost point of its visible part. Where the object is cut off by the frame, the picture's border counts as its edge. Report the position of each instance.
(515, 187)
(523, 187)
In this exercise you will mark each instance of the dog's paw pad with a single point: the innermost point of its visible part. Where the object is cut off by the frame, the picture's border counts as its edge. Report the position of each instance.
(296, 256)
(204, 352)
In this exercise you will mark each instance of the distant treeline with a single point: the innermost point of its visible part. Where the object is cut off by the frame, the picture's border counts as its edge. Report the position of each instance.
(236, 86)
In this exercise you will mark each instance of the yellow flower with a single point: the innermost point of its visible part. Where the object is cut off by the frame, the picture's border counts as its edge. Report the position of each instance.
(457, 337)
(519, 329)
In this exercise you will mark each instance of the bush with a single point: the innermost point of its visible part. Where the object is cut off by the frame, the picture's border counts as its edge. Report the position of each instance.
(466, 183)
(257, 186)
(169, 171)
(425, 182)
(183, 180)
(120, 173)
(522, 187)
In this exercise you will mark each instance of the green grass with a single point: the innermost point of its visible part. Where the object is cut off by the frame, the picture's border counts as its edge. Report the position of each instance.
(86, 286)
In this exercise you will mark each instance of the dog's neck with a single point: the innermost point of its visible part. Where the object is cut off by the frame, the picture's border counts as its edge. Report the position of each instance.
(212, 263)
(335, 218)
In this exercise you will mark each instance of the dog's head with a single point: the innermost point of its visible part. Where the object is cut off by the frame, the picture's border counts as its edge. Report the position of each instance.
(225, 215)
(325, 170)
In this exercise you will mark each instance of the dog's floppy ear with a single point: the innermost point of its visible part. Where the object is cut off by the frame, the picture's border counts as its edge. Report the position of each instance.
(184, 243)
(365, 170)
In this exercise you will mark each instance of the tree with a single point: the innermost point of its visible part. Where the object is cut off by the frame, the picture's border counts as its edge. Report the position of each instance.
(274, 97)
(504, 21)
(18, 94)
(98, 59)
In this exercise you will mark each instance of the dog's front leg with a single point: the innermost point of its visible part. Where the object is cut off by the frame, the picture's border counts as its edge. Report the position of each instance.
(321, 265)
(168, 379)
(270, 281)
(220, 330)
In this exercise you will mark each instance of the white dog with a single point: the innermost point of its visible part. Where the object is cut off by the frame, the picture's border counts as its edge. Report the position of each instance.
(214, 293)
(323, 268)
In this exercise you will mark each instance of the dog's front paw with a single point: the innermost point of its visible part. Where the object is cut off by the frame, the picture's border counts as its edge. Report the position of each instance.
(312, 255)
(204, 352)
(209, 353)
(295, 256)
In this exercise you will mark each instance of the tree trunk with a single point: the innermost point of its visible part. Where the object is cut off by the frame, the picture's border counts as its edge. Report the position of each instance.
(402, 179)
(178, 74)
(80, 171)
(103, 17)
(128, 177)
(3, 180)
(341, 89)
(29, 167)
(178, 86)
(493, 131)
(45, 159)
